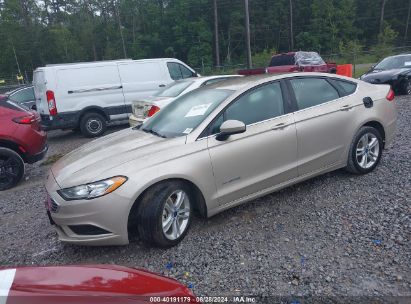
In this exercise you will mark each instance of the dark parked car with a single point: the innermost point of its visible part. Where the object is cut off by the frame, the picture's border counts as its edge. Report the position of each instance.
(21, 141)
(23, 96)
(393, 70)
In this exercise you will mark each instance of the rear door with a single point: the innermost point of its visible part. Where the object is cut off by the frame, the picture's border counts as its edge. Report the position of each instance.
(265, 155)
(322, 121)
(141, 79)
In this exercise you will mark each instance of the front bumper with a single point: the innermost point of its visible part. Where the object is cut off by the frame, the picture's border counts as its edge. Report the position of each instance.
(36, 157)
(108, 213)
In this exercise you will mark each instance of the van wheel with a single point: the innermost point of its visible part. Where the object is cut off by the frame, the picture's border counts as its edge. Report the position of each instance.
(11, 168)
(165, 213)
(93, 124)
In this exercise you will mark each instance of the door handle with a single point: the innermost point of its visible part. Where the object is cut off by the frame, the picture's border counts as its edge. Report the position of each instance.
(162, 85)
(280, 126)
(346, 108)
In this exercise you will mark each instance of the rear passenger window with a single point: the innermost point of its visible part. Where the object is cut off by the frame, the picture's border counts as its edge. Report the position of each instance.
(310, 92)
(23, 95)
(346, 87)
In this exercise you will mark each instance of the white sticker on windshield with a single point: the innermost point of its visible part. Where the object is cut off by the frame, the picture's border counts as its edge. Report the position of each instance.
(198, 110)
(407, 63)
(188, 131)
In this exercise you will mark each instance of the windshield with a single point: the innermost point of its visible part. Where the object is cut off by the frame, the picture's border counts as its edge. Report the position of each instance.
(184, 114)
(174, 89)
(398, 62)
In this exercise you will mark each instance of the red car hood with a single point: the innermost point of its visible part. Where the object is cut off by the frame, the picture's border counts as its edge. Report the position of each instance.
(86, 284)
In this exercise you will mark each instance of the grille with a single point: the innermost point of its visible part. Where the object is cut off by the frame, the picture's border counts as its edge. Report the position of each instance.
(88, 230)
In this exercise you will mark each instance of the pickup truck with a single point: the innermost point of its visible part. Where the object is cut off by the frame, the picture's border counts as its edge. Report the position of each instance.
(294, 62)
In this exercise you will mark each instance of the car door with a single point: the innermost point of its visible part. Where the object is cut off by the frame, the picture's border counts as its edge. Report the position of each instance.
(264, 155)
(322, 121)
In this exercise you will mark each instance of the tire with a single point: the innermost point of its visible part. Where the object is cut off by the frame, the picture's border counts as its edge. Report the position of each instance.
(406, 87)
(153, 215)
(11, 168)
(363, 158)
(93, 124)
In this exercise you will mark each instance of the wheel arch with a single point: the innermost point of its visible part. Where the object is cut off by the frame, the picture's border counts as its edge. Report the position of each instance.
(378, 126)
(199, 200)
(4, 143)
(92, 109)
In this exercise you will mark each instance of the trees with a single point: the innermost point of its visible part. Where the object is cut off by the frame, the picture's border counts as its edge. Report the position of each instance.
(54, 31)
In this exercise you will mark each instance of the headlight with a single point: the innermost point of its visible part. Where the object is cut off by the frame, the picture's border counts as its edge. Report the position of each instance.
(92, 190)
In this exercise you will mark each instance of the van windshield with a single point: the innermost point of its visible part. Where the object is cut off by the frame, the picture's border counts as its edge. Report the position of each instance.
(184, 114)
(174, 89)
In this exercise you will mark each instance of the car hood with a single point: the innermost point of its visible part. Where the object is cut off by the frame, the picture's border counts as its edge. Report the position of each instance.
(381, 76)
(88, 283)
(92, 161)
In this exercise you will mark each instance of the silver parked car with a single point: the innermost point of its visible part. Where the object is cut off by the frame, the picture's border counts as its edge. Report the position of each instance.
(217, 147)
(149, 106)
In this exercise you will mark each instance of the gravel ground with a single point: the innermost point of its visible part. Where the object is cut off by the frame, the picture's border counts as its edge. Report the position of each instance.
(334, 235)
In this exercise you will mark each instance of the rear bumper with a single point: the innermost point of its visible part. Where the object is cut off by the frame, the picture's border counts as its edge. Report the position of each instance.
(36, 157)
(60, 121)
(134, 121)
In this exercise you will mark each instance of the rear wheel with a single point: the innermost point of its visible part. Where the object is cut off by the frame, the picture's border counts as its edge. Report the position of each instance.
(11, 168)
(165, 214)
(365, 151)
(93, 124)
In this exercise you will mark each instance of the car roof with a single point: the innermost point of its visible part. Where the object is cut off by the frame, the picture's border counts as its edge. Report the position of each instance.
(240, 83)
(237, 83)
(205, 78)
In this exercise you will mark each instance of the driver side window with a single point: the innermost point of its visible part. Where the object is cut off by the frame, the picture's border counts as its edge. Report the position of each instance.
(261, 104)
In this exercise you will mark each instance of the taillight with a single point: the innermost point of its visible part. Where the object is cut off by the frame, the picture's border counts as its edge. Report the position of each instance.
(51, 101)
(25, 120)
(153, 110)
(390, 95)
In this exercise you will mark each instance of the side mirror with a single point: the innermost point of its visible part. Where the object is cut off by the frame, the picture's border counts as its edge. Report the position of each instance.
(230, 127)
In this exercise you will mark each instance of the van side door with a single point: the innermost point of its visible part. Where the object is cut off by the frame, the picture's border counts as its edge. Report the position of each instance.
(141, 79)
(84, 87)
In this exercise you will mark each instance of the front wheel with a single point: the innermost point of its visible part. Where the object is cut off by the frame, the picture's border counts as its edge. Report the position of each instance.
(165, 214)
(365, 151)
(11, 168)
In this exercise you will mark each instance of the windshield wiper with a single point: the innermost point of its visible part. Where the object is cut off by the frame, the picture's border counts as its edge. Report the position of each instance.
(153, 132)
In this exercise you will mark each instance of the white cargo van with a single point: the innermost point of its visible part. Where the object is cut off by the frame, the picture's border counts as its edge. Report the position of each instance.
(86, 96)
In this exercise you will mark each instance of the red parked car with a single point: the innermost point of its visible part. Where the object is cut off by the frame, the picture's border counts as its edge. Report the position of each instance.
(21, 141)
(89, 284)
(294, 62)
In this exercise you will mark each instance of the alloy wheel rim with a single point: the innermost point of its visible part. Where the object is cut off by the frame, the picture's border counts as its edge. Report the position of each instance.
(176, 214)
(409, 88)
(8, 171)
(94, 125)
(367, 151)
